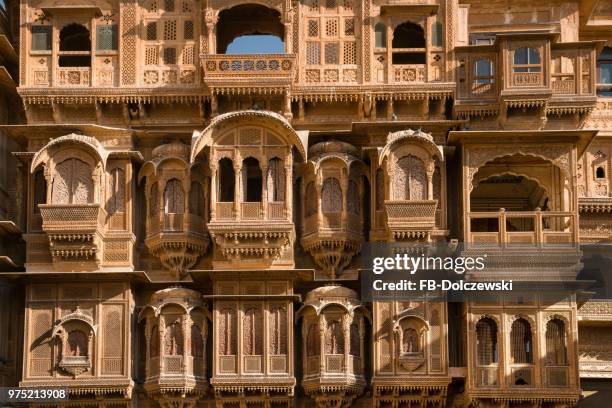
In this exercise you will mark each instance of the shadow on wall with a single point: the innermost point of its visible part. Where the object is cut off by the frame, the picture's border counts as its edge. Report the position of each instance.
(595, 393)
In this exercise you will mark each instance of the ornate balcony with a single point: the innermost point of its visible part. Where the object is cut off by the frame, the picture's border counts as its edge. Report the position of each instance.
(411, 219)
(176, 227)
(333, 218)
(73, 77)
(333, 324)
(75, 231)
(175, 324)
(257, 70)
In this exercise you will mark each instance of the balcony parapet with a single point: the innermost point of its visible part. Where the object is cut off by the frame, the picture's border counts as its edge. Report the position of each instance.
(75, 231)
(410, 219)
(254, 70)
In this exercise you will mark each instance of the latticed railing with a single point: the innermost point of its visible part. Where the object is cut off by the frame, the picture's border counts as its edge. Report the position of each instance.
(251, 211)
(486, 376)
(523, 228)
(334, 363)
(527, 79)
(249, 66)
(173, 365)
(557, 376)
(72, 217)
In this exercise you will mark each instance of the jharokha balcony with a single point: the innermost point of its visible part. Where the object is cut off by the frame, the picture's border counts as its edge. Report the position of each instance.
(75, 231)
(253, 69)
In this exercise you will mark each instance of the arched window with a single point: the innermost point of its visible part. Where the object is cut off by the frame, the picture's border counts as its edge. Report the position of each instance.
(408, 44)
(174, 198)
(331, 196)
(313, 344)
(116, 191)
(310, 197)
(521, 342)
(227, 181)
(154, 347)
(197, 342)
(196, 199)
(77, 344)
(600, 173)
(410, 341)
(486, 341)
(353, 198)
(227, 332)
(556, 347)
(276, 180)
(40, 190)
(355, 340)
(250, 29)
(72, 183)
(334, 338)
(75, 46)
(252, 332)
(251, 180)
(380, 35)
(173, 340)
(410, 179)
(526, 60)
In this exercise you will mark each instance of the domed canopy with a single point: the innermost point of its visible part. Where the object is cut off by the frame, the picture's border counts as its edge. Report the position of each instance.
(268, 119)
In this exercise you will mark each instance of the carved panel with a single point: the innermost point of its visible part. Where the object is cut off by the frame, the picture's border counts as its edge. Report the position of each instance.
(252, 333)
(410, 181)
(331, 195)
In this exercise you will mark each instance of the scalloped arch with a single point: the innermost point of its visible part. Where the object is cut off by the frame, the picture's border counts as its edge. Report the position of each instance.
(87, 143)
(208, 136)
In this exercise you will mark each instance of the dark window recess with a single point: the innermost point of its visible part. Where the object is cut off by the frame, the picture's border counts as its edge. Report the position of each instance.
(41, 38)
(403, 58)
(408, 35)
(106, 38)
(151, 31)
(188, 30)
(75, 38)
(227, 181)
(253, 180)
(169, 56)
(600, 173)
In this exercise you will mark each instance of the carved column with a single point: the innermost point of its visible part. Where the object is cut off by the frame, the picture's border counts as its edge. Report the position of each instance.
(186, 325)
(301, 110)
(431, 166)
(361, 346)
(237, 190)
(210, 19)
(162, 349)
(264, 190)
(213, 190)
(147, 335)
(289, 187)
(344, 185)
(322, 343)
(346, 328)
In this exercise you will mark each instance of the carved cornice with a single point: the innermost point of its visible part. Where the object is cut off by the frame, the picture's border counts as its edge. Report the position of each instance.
(589, 205)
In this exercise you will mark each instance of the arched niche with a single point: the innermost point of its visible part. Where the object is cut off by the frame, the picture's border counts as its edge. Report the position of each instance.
(74, 168)
(75, 334)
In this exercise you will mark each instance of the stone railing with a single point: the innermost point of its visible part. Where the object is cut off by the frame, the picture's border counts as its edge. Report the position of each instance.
(563, 84)
(557, 376)
(537, 228)
(486, 376)
(253, 67)
(71, 218)
(527, 79)
(409, 73)
(73, 76)
(414, 214)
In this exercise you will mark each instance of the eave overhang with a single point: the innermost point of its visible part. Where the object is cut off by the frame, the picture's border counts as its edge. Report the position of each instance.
(580, 138)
